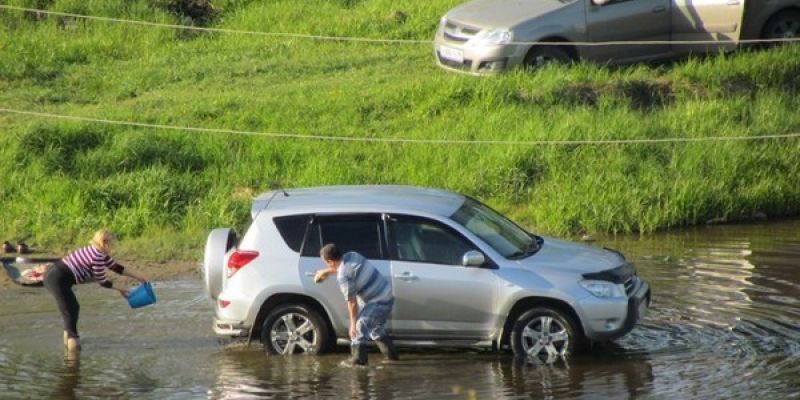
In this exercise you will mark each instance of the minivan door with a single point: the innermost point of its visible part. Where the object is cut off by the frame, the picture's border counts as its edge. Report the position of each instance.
(435, 296)
(361, 233)
(707, 20)
(627, 21)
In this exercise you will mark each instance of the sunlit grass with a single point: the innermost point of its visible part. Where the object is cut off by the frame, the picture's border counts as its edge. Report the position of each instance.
(60, 180)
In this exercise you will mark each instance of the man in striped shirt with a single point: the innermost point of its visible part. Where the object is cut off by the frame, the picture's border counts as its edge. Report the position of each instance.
(361, 283)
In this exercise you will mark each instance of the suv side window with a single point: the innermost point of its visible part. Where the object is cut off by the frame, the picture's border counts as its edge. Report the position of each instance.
(292, 229)
(357, 232)
(422, 240)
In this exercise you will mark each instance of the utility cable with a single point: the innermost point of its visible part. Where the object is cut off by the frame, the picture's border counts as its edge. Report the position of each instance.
(279, 135)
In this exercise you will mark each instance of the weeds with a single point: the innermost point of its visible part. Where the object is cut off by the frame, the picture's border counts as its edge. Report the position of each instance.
(60, 180)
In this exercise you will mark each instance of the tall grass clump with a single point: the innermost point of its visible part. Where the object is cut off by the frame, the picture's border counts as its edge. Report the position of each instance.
(60, 179)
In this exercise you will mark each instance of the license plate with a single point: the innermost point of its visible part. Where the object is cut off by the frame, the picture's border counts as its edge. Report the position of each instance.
(643, 308)
(452, 54)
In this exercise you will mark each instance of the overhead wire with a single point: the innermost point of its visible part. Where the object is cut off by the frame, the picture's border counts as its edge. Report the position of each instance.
(398, 140)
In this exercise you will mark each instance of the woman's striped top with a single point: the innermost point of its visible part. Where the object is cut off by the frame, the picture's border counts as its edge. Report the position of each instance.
(90, 263)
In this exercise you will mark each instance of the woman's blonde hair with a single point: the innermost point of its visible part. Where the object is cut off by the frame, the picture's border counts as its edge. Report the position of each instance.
(102, 239)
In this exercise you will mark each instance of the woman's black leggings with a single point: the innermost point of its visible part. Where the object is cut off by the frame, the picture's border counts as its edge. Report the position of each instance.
(59, 281)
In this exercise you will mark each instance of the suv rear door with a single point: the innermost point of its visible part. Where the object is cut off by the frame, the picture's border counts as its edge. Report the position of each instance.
(351, 232)
(435, 296)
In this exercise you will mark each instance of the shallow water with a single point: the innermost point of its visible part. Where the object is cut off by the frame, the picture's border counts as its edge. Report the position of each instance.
(725, 323)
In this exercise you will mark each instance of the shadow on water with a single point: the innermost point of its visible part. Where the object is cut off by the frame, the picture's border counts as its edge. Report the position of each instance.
(725, 323)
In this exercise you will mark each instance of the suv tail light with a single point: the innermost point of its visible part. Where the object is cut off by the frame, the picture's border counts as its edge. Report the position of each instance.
(239, 259)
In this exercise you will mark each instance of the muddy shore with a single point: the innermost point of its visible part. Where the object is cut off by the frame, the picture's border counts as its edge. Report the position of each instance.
(153, 271)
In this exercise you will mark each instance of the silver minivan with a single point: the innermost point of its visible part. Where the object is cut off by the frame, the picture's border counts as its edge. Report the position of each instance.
(461, 273)
(490, 36)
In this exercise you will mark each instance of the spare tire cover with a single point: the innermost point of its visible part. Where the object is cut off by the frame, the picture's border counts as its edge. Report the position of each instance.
(219, 242)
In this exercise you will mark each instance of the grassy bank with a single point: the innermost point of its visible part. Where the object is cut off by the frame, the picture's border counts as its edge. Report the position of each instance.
(59, 180)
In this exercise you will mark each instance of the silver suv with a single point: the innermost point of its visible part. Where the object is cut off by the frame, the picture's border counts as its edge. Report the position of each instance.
(462, 274)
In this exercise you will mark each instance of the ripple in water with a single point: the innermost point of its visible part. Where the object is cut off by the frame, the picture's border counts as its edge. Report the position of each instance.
(724, 324)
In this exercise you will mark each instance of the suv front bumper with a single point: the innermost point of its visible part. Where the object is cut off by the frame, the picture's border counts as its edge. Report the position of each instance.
(610, 321)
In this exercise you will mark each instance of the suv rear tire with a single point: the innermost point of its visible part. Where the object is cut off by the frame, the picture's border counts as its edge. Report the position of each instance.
(294, 328)
(544, 331)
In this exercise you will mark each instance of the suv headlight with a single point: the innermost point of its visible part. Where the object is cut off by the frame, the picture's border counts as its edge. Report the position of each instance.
(602, 289)
(491, 37)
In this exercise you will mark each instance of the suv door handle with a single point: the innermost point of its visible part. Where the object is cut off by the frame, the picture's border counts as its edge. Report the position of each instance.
(733, 2)
(311, 274)
(406, 276)
(659, 9)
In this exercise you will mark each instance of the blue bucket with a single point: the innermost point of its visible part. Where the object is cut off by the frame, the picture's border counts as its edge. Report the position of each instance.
(142, 296)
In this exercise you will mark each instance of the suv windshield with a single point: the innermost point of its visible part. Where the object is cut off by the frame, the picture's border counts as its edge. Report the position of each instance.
(504, 236)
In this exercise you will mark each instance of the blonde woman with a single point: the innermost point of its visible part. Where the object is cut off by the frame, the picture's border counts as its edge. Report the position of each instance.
(83, 265)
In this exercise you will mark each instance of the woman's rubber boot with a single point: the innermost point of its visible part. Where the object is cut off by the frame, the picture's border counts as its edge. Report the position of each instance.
(386, 347)
(66, 337)
(73, 345)
(358, 355)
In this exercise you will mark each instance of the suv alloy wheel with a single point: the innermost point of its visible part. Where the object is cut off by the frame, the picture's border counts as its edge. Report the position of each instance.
(292, 329)
(545, 332)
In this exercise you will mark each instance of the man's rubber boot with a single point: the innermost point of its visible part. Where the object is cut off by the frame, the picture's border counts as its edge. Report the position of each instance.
(386, 347)
(358, 355)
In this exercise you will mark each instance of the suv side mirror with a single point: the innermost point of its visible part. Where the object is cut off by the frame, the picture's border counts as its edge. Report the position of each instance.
(473, 258)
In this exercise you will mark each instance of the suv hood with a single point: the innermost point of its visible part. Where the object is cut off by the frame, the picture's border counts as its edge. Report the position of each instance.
(569, 256)
(502, 13)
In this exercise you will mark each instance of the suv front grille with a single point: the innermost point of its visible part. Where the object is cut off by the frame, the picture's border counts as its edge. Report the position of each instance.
(458, 33)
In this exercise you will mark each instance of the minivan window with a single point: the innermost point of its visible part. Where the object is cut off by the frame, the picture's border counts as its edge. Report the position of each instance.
(292, 229)
(357, 233)
(421, 240)
(497, 231)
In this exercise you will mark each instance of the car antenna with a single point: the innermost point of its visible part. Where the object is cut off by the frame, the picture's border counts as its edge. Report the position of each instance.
(276, 189)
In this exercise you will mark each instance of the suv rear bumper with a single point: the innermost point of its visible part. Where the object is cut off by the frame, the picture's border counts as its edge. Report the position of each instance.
(230, 329)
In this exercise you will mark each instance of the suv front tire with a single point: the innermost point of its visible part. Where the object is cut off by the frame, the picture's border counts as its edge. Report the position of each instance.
(543, 331)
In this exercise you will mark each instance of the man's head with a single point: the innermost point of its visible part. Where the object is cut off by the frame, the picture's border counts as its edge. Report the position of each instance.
(331, 255)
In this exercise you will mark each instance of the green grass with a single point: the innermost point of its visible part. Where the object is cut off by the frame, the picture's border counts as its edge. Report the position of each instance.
(60, 180)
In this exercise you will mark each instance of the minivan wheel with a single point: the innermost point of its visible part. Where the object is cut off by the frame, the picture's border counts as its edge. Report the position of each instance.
(540, 56)
(294, 329)
(543, 332)
(784, 25)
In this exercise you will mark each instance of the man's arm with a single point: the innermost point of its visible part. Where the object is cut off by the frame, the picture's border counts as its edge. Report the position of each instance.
(352, 309)
(322, 274)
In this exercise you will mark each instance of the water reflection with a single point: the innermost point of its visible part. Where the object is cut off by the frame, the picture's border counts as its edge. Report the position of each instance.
(248, 374)
(725, 323)
(69, 377)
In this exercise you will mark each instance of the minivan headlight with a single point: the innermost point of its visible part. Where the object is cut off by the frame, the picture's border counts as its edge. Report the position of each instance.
(602, 289)
(491, 37)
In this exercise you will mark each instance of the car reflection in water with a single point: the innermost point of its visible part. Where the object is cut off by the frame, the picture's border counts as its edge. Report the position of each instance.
(246, 373)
